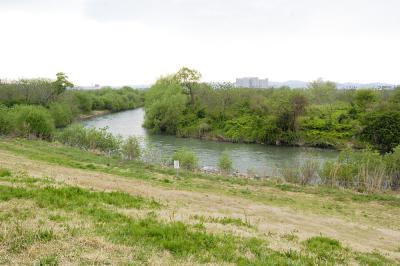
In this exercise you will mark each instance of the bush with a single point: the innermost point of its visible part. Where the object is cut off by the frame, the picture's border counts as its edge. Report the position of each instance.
(382, 129)
(363, 170)
(187, 159)
(61, 113)
(84, 101)
(225, 162)
(304, 172)
(6, 121)
(309, 171)
(393, 167)
(33, 121)
(90, 139)
(130, 148)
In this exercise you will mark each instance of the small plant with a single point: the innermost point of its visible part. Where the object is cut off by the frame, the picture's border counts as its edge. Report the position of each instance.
(186, 158)
(225, 162)
(309, 171)
(292, 237)
(4, 172)
(326, 250)
(50, 260)
(290, 174)
(130, 148)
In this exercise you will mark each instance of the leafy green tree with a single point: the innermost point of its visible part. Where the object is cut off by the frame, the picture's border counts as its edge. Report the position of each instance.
(322, 91)
(61, 113)
(62, 82)
(381, 129)
(365, 98)
(188, 78)
(165, 103)
(299, 103)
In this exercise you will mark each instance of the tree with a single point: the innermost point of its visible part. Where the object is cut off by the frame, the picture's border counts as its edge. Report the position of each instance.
(165, 104)
(381, 129)
(364, 98)
(322, 91)
(188, 78)
(299, 103)
(62, 82)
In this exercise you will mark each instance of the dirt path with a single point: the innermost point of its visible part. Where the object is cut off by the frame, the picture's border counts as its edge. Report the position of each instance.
(269, 220)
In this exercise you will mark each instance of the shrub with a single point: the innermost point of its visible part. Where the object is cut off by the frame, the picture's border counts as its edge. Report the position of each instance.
(84, 101)
(309, 171)
(225, 162)
(6, 121)
(382, 129)
(90, 139)
(303, 173)
(61, 113)
(33, 121)
(186, 158)
(393, 167)
(291, 173)
(130, 148)
(363, 170)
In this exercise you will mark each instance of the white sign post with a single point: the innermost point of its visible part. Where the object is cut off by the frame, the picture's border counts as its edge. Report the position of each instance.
(176, 166)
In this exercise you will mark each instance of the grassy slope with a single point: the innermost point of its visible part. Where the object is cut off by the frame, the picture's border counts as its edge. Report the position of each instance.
(176, 229)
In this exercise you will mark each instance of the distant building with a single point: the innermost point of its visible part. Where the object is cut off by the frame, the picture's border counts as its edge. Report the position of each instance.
(252, 82)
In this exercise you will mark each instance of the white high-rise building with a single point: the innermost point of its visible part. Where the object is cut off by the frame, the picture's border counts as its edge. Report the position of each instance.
(252, 82)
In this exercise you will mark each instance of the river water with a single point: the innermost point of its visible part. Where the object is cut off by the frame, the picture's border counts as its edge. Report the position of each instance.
(262, 160)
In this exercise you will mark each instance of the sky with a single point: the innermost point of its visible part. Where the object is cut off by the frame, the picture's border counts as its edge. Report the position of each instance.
(126, 42)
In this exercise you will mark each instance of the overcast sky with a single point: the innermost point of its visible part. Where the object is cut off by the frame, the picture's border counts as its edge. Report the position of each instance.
(118, 42)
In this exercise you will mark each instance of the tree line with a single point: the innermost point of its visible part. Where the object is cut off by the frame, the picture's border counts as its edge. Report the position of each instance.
(320, 115)
(36, 107)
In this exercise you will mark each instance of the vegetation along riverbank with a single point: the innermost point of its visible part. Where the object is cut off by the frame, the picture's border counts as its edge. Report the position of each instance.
(84, 196)
(320, 115)
(36, 107)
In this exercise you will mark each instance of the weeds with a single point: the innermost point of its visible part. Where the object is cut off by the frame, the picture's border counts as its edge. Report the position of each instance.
(4, 172)
(221, 220)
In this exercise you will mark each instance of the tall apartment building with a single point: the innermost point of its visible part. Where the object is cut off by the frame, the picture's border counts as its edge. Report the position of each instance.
(252, 82)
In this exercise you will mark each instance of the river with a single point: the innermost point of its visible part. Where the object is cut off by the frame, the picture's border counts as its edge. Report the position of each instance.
(262, 160)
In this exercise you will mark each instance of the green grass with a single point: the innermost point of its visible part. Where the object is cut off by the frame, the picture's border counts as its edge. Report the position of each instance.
(221, 220)
(21, 238)
(50, 260)
(338, 202)
(373, 259)
(182, 241)
(4, 172)
(179, 239)
(327, 250)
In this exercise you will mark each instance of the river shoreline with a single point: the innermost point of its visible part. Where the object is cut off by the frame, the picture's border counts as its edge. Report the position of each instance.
(249, 158)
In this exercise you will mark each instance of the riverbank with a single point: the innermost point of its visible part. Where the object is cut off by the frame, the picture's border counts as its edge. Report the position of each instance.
(248, 159)
(92, 114)
(283, 222)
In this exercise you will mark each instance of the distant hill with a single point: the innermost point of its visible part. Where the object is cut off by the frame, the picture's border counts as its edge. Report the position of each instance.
(348, 85)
